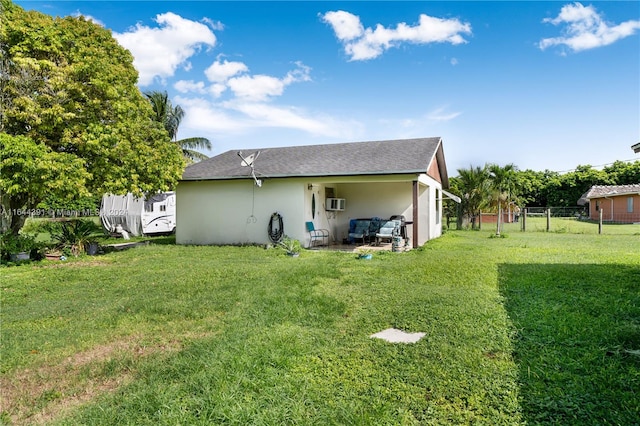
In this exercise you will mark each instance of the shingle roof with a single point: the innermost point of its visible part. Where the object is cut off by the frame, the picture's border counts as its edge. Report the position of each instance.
(599, 191)
(344, 159)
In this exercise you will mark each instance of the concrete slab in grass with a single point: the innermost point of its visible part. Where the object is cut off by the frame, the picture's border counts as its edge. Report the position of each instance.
(398, 336)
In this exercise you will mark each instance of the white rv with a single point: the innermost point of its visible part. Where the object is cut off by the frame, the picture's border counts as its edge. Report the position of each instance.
(155, 214)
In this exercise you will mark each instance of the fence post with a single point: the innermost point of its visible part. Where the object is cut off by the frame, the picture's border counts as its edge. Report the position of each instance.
(600, 220)
(524, 219)
(548, 219)
(480, 222)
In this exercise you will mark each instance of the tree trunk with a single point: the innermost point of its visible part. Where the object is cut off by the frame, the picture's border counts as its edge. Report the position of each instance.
(17, 214)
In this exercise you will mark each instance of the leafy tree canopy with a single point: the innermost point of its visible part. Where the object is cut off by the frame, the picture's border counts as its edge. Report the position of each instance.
(69, 90)
(540, 188)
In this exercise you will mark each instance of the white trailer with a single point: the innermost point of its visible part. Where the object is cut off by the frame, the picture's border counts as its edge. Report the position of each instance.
(154, 214)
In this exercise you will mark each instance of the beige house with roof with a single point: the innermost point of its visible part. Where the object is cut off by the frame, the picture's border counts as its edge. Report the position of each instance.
(618, 203)
(244, 197)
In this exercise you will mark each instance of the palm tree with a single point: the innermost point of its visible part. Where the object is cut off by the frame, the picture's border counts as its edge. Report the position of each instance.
(503, 180)
(170, 117)
(473, 187)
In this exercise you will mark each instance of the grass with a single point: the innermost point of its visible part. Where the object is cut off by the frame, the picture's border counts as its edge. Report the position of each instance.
(534, 328)
(567, 225)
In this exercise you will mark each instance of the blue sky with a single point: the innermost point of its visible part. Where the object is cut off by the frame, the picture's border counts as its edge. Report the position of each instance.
(543, 85)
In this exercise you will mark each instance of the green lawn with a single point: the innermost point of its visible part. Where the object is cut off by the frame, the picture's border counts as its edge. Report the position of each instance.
(567, 225)
(534, 328)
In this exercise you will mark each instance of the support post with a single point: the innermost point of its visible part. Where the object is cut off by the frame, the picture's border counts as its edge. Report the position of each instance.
(548, 219)
(524, 219)
(415, 212)
(600, 220)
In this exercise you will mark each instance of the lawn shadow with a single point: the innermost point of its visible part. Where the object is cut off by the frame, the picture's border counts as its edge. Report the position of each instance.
(576, 340)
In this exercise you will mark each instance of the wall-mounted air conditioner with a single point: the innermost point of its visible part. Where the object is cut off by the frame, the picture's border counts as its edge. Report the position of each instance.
(335, 204)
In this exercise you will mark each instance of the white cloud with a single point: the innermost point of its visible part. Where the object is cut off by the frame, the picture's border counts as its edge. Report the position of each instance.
(441, 114)
(249, 105)
(261, 87)
(159, 51)
(219, 72)
(345, 25)
(240, 117)
(362, 44)
(185, 86)
(215, 25)
(217, 89)
(585, 29)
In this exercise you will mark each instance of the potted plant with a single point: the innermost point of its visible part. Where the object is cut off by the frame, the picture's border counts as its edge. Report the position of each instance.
(291, 246)
(365, 253)
(17, 247)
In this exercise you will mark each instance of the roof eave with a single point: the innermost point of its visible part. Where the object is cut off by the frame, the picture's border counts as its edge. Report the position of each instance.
(612, 194)
(308, 175)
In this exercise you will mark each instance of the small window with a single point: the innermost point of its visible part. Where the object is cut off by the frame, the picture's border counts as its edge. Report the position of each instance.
(163, 208)
(630, 205)
(597, 205)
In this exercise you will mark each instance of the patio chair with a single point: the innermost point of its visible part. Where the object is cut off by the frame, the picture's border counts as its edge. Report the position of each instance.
(388, 230)
(403, 224)
(317, 235)
(359, 230)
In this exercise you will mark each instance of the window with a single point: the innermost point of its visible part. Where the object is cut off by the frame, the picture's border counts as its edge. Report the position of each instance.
(597, 205)
(163, 208)
(438, 203)
(630, 205)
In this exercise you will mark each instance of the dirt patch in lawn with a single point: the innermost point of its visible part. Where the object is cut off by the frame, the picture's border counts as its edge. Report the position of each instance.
(78, 264)
(40, 395)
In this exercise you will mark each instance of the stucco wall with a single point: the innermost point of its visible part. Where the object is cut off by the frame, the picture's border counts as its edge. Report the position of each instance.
(430, 200)
(615, 209)
(234, 212)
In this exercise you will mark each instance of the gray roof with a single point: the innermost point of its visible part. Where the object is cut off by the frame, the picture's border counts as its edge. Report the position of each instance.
(636, 147)
(340, 159)
(600, 191)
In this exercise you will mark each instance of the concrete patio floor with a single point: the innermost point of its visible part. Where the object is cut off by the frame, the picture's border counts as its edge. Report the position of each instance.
(356, 247)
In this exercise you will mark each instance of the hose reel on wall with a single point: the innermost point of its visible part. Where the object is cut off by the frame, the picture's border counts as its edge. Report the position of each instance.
(275, 228)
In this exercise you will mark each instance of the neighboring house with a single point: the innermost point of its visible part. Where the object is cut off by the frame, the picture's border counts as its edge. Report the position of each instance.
(218, 201)
(618, 203)
(636, 147)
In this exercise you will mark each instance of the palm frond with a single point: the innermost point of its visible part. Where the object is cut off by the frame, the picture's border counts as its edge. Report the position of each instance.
(194, 143)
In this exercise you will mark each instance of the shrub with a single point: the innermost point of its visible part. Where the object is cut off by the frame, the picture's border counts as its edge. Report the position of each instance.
(12, 244)
(290, 245)
(76, 235)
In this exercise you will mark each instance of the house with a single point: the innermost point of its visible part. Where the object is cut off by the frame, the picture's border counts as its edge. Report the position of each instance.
(237, 197)
(618, 203)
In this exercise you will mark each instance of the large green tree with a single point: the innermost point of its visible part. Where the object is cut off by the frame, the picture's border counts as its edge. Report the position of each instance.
(170, 117)
(472, 186)
(68, 89)
(503, 188)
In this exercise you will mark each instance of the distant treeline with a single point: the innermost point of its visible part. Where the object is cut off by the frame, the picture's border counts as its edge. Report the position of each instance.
(554, 189)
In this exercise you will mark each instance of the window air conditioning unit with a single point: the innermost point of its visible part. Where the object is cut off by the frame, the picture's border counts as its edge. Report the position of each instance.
(335, 204)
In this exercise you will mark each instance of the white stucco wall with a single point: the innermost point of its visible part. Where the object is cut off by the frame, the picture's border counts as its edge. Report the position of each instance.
(429, 208)
(236, 212)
